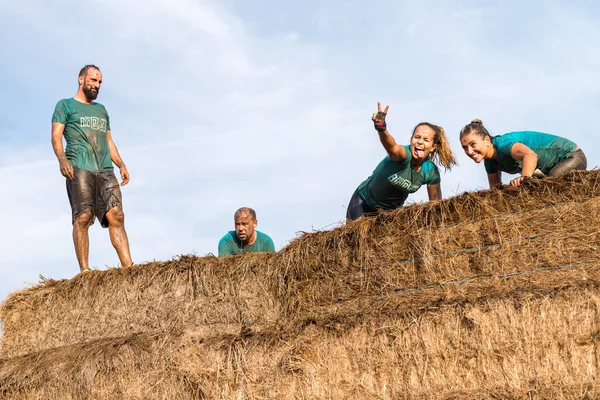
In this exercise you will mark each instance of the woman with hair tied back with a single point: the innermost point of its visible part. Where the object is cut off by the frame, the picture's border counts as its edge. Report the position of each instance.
(404, 170)
(529, 153)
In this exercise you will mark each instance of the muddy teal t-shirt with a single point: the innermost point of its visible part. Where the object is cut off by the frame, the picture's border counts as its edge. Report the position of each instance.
(86, 127)
(231, 245)
(550, 150)
(392, 181)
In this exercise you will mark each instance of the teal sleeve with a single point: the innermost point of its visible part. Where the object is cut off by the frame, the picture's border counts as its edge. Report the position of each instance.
(107, 119)
(432, 177)
(435, 177)
(504, 145)
(270, 245)
(225, 248)
(60, 114)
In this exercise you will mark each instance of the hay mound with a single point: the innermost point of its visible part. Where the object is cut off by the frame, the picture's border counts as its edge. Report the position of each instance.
(487, 294)
(188, 291)
(526, 342)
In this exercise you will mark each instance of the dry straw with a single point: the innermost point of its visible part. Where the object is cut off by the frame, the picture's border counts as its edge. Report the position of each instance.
(525, 341)
(470, 235)
(188, 291)
(487, 294)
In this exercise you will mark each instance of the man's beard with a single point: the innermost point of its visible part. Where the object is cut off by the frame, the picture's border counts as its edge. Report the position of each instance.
(90, 94)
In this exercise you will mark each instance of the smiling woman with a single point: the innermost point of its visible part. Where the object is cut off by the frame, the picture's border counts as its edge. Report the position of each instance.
(529, 153)
(404, 170)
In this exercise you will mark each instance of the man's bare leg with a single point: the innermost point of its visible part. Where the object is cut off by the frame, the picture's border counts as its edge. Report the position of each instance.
(81, 239)
(118, 236)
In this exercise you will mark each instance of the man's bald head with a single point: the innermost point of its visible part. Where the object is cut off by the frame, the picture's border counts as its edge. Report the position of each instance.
(245, 211)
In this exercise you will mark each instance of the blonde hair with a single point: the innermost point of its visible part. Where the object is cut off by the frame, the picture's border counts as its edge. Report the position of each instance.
(442, 155)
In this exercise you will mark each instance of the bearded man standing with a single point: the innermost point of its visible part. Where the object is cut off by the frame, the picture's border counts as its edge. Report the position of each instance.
(87, 165)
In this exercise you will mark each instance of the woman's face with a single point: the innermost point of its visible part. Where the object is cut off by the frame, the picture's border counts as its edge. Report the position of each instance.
(476, 147)
(422, 142)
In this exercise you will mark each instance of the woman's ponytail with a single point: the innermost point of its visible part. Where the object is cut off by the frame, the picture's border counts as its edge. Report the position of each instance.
(442, 155)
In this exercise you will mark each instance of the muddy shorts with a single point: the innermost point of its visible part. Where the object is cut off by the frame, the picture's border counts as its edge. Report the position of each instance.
(97, 192)
(574, 161)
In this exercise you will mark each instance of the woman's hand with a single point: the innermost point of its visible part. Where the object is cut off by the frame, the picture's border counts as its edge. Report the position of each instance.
(378, 118)
(518, 180)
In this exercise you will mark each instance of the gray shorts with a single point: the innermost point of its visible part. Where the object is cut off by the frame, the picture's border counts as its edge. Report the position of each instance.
(574, 161)
(97, 192)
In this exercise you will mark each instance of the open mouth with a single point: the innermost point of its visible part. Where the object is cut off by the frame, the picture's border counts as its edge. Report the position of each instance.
(419, 151)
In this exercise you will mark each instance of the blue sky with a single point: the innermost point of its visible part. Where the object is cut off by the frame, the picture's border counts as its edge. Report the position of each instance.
(221, 104)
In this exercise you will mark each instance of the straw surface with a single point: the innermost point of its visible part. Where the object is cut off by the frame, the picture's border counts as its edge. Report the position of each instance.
(414, 246)
(538, 343)
(492, 294)
(188, 291)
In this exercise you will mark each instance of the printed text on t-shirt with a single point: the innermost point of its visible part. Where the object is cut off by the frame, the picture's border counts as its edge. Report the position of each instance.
(95, 123)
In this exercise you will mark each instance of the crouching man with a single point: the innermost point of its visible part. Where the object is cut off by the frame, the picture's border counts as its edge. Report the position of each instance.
(245, 237)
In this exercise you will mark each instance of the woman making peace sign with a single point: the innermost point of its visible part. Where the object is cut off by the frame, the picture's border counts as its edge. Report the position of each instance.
(404, 170)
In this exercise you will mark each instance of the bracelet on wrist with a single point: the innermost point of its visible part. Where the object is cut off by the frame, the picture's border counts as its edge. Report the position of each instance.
(380, 126)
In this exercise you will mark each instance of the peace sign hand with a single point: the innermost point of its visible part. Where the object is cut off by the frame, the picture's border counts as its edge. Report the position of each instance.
(379, 118)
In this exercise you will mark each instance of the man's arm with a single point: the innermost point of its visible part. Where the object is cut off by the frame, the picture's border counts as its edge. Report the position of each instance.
(66, 169)
(116, 158)
(434, 191)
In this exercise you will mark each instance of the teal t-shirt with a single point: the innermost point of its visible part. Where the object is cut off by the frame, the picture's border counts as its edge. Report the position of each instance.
(230, 244)
(392, 181)
(550, 150)
(86, 127)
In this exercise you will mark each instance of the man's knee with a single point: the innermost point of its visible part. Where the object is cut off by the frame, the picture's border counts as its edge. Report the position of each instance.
(115, 217)
(84, 219)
